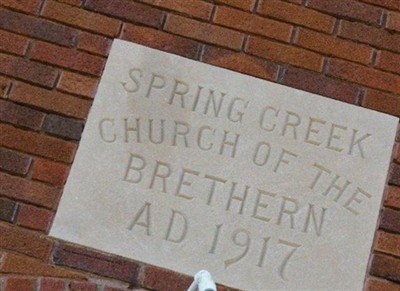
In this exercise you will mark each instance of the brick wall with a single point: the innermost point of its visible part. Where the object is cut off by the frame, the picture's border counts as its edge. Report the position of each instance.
(52, 54)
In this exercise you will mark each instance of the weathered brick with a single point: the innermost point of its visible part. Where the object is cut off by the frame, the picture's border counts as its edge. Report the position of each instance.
(204, 32)
(161, 40)
(394, 176)
(128, 10)
(77, 84)
(364, 75)
(63, 127)
(28, 191)
(49, 171)
(20, 115)
(241, 63)
(4, 86)
(27, 70)
(93, 43)
(193, 8)
(164, 280)
(388, 243)
(393, 21)
(22, 265)
(248, 22)
(14, 162)
(320, 84)
(51, 100)
(19, 284)
(75, 16)
(8, 208)
(390, 220)
(35, 143)
(371, 35)
(94, 262)
(391, 4)
(82, 286)
(13, 43)
(297, 14)
(397, 153)
(52, 284)
(37, 27)
(333, 46)
(284, 53)
(385, 267)
(381, 101)
(241, 4)
(388, 61)
(29, 6)
(349, 9)
(34, 217)
(25, 242)
(375, 284)
(67, 58)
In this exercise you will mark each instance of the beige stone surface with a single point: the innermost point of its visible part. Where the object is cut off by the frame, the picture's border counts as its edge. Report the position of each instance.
(188, 166)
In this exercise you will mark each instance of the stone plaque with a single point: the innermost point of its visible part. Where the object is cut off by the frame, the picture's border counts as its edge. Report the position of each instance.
(188, 166)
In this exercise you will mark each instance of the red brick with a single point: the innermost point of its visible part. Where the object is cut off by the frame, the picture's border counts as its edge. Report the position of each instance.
(4, 86)
(241, 4)
(128, 10)
(20, 284)
(240, 62)
(381, 101)
(397, 153)
(94, 43)
(393, 21)
(107, 288)
(20, 115)
(349, 9)
(284, 53)
(394, 176)
(204, 32)
(248, 22)
(67, 58)
(25, 242)
(28, 191)
(77, 84)
(333, 46)
(299, 2)
(161, 40)
(52, 284)
(390, 220)
(364, 75)
(82, 286)
(13, 43)
(164, 280)
(34, 217)
(97, 263)
(49, 171)
(37, 27)
(388, 61)
(385, 267)
(297, 14)
(27, 70)
(37, 144)
(64, 127)
(71, 2)
(22, 265)
(371, 35)
(8, 209)
(14, 162)
(320, 84)
(193, 8)
(29, 6)
(391, 4)
(51, 100)
(388, 243)
(75, 16)
(375, 284)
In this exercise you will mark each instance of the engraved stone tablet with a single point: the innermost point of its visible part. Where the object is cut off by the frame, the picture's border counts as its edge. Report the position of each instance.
(188, 166)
